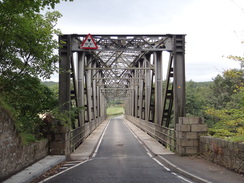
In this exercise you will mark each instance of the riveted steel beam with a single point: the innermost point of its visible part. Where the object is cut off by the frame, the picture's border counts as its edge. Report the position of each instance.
(179, 77)
(120, 68)
(130, 64)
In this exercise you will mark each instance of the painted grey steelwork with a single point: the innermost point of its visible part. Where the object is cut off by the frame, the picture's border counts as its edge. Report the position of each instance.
(125, 67)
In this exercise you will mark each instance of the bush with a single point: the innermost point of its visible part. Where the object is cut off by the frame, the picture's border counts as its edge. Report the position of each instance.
(28, 98)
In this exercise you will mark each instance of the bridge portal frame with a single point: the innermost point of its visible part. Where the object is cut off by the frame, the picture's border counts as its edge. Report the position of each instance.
(123, 66)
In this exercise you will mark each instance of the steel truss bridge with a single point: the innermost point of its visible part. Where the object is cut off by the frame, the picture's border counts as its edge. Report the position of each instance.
(124, 67)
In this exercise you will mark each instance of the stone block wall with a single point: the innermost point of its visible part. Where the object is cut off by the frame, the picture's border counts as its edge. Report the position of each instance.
(188, 133)
(222, 152)
(14, 156)
(59, 141)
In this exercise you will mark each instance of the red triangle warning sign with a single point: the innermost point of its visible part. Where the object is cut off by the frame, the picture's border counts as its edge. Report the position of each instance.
(88, 43)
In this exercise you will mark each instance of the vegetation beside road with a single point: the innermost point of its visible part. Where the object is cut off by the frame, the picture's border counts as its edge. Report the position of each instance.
(28, 54)
(114, 111)
(221, 103)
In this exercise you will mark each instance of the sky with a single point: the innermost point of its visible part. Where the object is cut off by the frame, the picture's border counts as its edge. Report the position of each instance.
(214, 28)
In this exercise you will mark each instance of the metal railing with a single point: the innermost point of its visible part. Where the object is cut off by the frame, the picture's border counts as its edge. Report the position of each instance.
(164, 135)
(78, 135)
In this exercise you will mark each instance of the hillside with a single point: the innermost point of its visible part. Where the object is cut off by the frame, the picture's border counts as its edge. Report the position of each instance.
(49, 83)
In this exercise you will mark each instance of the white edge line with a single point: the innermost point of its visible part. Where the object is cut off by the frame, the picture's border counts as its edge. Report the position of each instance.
(139, 140)
(94, 154)
(183, 178)
(161, 164)
(100, 140)
(64, 171)
(148, 152)
(183, 171)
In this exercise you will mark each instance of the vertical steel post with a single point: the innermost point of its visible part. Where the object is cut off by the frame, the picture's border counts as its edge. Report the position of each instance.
(94, 92)
(140, 102)
(133, 97)
(136, 92)
(105, 105)
(179, 77)
(89, 90)
(129, 105)
(81, 86)
(98, 95)
(61, 145)
(64, 73)
(101, 98)
(148, 88)
(157, 56)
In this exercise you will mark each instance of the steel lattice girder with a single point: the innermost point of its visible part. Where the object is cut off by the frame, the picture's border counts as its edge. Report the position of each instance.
(123, 63)
(127, 43)
(118, 54)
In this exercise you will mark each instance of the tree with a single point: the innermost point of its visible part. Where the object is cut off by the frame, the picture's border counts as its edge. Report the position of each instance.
(224, 86)
(195, 99)
(27, 52)
(227, 105)
(230, 123)
(239, 59)
(26, 46)
(26, 39)
(29, 98)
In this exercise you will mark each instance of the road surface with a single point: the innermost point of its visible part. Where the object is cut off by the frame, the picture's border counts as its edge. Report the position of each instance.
(119, 158)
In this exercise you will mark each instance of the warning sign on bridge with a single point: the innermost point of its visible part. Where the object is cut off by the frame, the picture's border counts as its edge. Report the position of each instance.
(88, 43)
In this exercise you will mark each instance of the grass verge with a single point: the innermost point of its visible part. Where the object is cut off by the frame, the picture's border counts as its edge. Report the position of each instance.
(114, 111)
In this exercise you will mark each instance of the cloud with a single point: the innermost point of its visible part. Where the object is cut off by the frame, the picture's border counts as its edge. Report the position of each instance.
(213, 28)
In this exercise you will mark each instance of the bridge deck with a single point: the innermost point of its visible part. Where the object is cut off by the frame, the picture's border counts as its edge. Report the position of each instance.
(120, 158)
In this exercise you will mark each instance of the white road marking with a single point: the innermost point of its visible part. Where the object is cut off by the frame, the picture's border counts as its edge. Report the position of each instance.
(94, 154)
(161, 164)
(100, 140)
(183, 178)
(64, 171)
(150, 155)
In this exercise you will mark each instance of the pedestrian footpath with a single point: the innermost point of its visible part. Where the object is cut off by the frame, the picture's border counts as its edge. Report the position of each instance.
(37, 169)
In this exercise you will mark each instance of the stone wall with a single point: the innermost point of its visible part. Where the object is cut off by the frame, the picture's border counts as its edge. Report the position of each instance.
(14, 156)
(188, 133)
(222, 152)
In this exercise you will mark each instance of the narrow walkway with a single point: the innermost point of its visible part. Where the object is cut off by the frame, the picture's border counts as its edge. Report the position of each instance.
(120, 158)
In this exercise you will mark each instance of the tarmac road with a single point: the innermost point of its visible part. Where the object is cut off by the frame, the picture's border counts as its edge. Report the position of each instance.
(120, 158)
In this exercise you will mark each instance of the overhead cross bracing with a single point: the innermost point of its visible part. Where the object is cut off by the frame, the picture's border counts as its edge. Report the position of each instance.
(117, 56)
(127, 67)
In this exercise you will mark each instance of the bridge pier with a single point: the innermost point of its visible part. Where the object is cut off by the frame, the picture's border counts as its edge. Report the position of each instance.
(188, 133)
(59, 141)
